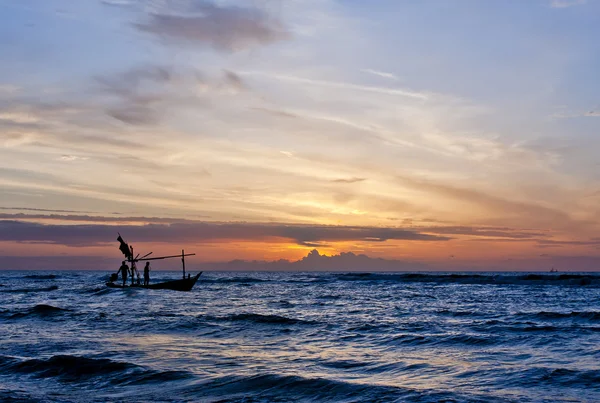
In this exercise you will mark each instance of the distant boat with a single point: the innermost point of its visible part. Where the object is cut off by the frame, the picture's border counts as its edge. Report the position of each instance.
(183, 284)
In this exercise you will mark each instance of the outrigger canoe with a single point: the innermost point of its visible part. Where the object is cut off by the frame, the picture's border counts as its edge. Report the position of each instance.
(183, 284)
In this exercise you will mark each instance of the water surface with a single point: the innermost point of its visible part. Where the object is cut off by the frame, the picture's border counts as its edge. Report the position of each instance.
(340, 337)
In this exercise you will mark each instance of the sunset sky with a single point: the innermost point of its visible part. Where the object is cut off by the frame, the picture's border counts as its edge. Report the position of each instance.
(453, 133)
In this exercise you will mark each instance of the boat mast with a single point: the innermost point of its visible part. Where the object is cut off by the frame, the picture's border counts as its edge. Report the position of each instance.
(183, 262)
(132, 262)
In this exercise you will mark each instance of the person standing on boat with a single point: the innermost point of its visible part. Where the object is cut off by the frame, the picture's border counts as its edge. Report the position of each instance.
(147, 274)
(133, 272)
(124, 269)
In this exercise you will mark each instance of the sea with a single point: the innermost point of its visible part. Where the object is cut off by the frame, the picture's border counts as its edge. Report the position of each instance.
(301, 337)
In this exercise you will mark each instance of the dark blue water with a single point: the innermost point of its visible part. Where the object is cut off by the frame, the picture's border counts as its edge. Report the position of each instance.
(257, 337)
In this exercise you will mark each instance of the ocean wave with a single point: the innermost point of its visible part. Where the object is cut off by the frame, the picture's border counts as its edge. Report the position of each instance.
(275, 387)
(65, 366)
(329, 297)
(344, 364)
(554, 377)
(77, 368)
(410, 339)
(367, 327)
(449, 312)
(468, 339)
(555, 279)
(39, 311)
(27, 290)
(141, 377)
(234, 280)
(589, 315)
(41, 276)
(446, 340)
(14, 396)
(283, 304)
(258, 318)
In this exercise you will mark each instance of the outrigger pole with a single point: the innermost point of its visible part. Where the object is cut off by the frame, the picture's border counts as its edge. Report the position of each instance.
(128, 252)
(165, 257)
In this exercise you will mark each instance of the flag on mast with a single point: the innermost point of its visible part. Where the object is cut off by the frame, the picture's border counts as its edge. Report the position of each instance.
(124, 248)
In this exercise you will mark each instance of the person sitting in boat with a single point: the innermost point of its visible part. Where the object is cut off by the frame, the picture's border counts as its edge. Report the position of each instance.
(124, 269)
(147, 274)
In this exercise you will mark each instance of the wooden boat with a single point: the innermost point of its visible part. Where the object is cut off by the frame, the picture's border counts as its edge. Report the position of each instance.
(183, 284)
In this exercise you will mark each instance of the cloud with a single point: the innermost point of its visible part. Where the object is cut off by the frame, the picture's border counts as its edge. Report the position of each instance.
(70, 158)
(549, 243)
(566, 3)
(233, 80)
(380, 74)
(349, 180)
(145, 94)
(225, 28)
(567, 115)
(497, 232)
(135, 114)
(186, 232)
(118, 3)
(347, 86)
(522, 211)
(43, 210)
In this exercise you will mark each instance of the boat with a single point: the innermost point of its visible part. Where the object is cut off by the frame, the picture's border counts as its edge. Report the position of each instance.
(183, 284)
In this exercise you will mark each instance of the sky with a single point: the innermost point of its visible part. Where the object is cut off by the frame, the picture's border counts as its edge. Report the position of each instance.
(457, 134)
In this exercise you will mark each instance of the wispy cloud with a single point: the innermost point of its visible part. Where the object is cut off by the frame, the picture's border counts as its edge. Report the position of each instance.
(348, 180)
(342, 85)
(511, 211)
(567, 3)
(71, 158)
(380, 74)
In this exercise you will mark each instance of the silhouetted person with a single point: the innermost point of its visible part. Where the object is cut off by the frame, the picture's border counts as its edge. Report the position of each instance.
(133, 272)
(147, 274)
(124, 269)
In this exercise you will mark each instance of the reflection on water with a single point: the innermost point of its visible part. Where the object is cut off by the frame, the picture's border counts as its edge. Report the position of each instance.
(301, 336)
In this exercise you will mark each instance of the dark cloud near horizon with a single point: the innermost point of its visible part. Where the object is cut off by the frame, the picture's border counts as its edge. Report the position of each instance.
(224, 28)
(306, 235)
(497, 232)
(87, 218)
(185, 232)
(45, 210)
(550, 243)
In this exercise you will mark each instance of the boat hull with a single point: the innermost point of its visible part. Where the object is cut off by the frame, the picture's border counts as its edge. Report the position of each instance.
(185, 284)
